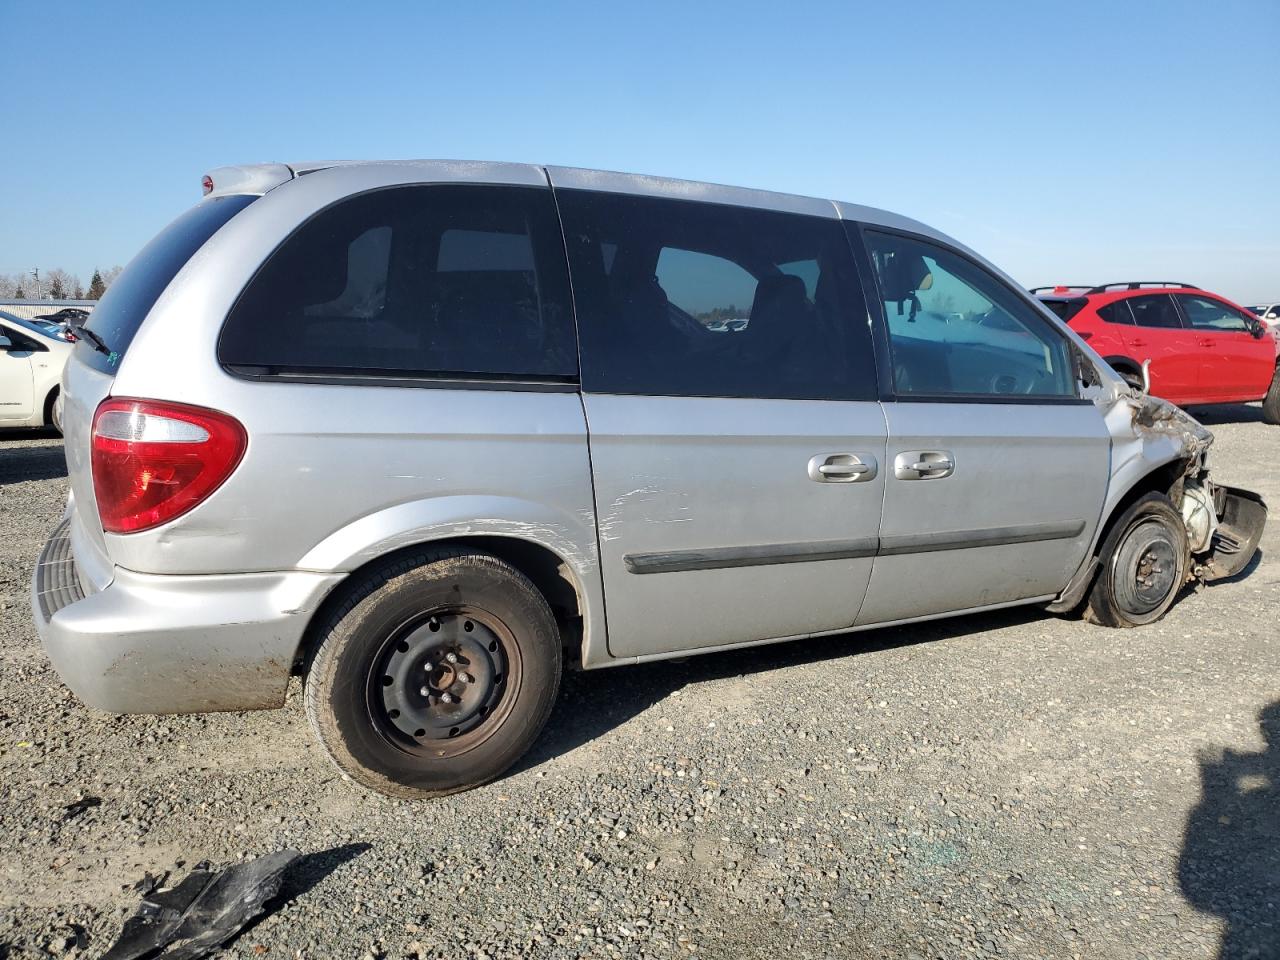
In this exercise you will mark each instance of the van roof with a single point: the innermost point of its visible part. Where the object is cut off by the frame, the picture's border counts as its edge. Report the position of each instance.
(260, 178)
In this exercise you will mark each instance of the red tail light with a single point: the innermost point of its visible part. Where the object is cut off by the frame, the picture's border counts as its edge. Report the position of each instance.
(153, 460)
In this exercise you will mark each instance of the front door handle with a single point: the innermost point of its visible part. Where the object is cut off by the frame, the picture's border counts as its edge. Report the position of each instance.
(924, 465)
(842, 467)
(1137, 342)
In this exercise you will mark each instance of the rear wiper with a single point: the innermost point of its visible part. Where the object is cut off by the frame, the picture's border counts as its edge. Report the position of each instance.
(94, 340)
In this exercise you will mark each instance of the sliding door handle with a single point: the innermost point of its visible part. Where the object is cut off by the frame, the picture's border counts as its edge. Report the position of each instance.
(842, 467)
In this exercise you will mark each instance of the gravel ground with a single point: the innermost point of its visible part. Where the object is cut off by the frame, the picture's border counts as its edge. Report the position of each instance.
(1008, 785)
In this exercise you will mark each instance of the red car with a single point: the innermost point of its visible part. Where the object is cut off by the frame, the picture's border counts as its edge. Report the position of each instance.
(1202, 348)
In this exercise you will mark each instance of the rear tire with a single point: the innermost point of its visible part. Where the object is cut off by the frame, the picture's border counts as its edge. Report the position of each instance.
(1271, 405)
(1145, 559)
(53, 412)
(435, 673)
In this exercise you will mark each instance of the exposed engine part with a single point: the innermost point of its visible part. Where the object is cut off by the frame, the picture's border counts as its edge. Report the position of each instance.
(1198, 514)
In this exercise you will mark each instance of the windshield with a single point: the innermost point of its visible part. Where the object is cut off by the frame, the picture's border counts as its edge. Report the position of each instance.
(128, 301)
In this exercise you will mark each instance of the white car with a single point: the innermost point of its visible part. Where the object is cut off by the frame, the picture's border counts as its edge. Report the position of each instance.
(31, 362)
(1269, 313)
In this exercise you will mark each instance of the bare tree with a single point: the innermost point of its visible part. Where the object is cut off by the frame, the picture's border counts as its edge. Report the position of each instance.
(61, 283)
(109, 276)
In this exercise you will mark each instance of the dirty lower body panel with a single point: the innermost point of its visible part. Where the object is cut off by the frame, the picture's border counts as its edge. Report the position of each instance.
(172, 644)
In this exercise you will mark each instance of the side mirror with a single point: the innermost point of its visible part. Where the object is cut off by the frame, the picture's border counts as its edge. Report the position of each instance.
(1257, 329)
(5, 343)
(1086, 372)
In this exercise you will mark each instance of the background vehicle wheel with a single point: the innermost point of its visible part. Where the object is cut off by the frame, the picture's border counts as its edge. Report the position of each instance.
(1144, 565)
(53, 412)
(435, 674)
(1271, 405)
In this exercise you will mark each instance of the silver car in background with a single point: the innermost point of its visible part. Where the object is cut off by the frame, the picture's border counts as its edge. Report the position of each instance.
(429, 432)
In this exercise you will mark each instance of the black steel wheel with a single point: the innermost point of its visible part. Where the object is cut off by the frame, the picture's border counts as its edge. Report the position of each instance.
(437, 687)
(434, 673)
(1145, 559)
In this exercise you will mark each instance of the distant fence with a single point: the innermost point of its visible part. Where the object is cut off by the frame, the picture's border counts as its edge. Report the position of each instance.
(26, 309)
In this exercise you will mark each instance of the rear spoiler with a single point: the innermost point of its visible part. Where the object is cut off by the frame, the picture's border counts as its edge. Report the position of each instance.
(254, 178)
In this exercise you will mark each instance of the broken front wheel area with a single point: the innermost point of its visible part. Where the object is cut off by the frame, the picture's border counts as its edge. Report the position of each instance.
(1145, 562)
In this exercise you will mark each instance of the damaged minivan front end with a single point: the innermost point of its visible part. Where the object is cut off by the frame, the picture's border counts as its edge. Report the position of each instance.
(1152, 438)
(1157, 448)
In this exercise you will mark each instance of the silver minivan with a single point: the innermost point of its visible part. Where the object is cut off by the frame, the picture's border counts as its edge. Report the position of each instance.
(428, 433)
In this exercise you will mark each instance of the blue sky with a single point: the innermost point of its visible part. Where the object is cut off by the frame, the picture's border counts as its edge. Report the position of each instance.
(1082, 142)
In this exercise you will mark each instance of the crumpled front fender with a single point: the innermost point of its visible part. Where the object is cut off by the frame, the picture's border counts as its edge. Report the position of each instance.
(1242, 515)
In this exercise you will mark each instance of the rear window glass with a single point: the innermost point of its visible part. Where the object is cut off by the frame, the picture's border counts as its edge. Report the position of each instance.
(130, 298)
(1064, 310)
(446, 281)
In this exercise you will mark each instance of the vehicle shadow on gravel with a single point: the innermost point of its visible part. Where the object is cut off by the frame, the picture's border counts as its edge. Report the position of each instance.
(19, 463)
(1230, 863)
(593, 703)
(1227, 413)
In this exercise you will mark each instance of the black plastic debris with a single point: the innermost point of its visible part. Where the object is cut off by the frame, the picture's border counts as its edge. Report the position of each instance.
(77, 807)
(202, 912)
(149, 883)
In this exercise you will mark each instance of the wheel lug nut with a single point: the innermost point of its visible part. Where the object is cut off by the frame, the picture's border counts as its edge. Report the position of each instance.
(468, 678)
(447, 697)
(451, 657)
(425, 691)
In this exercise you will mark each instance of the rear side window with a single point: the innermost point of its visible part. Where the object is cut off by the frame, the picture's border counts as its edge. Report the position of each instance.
(956, 330)
(127, 302)
(428, 281)
(1155, 310)
(679, 298)
(1116, 312)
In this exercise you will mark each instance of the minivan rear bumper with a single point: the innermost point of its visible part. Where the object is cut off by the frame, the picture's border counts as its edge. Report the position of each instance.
(172, 644)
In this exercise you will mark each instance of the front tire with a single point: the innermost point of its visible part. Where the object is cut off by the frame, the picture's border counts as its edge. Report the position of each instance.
(1145, 559)
(435, 673)
(1271, 404)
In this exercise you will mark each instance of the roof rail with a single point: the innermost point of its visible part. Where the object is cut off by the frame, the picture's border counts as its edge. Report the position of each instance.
(1138, 284)
(1062, 287)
